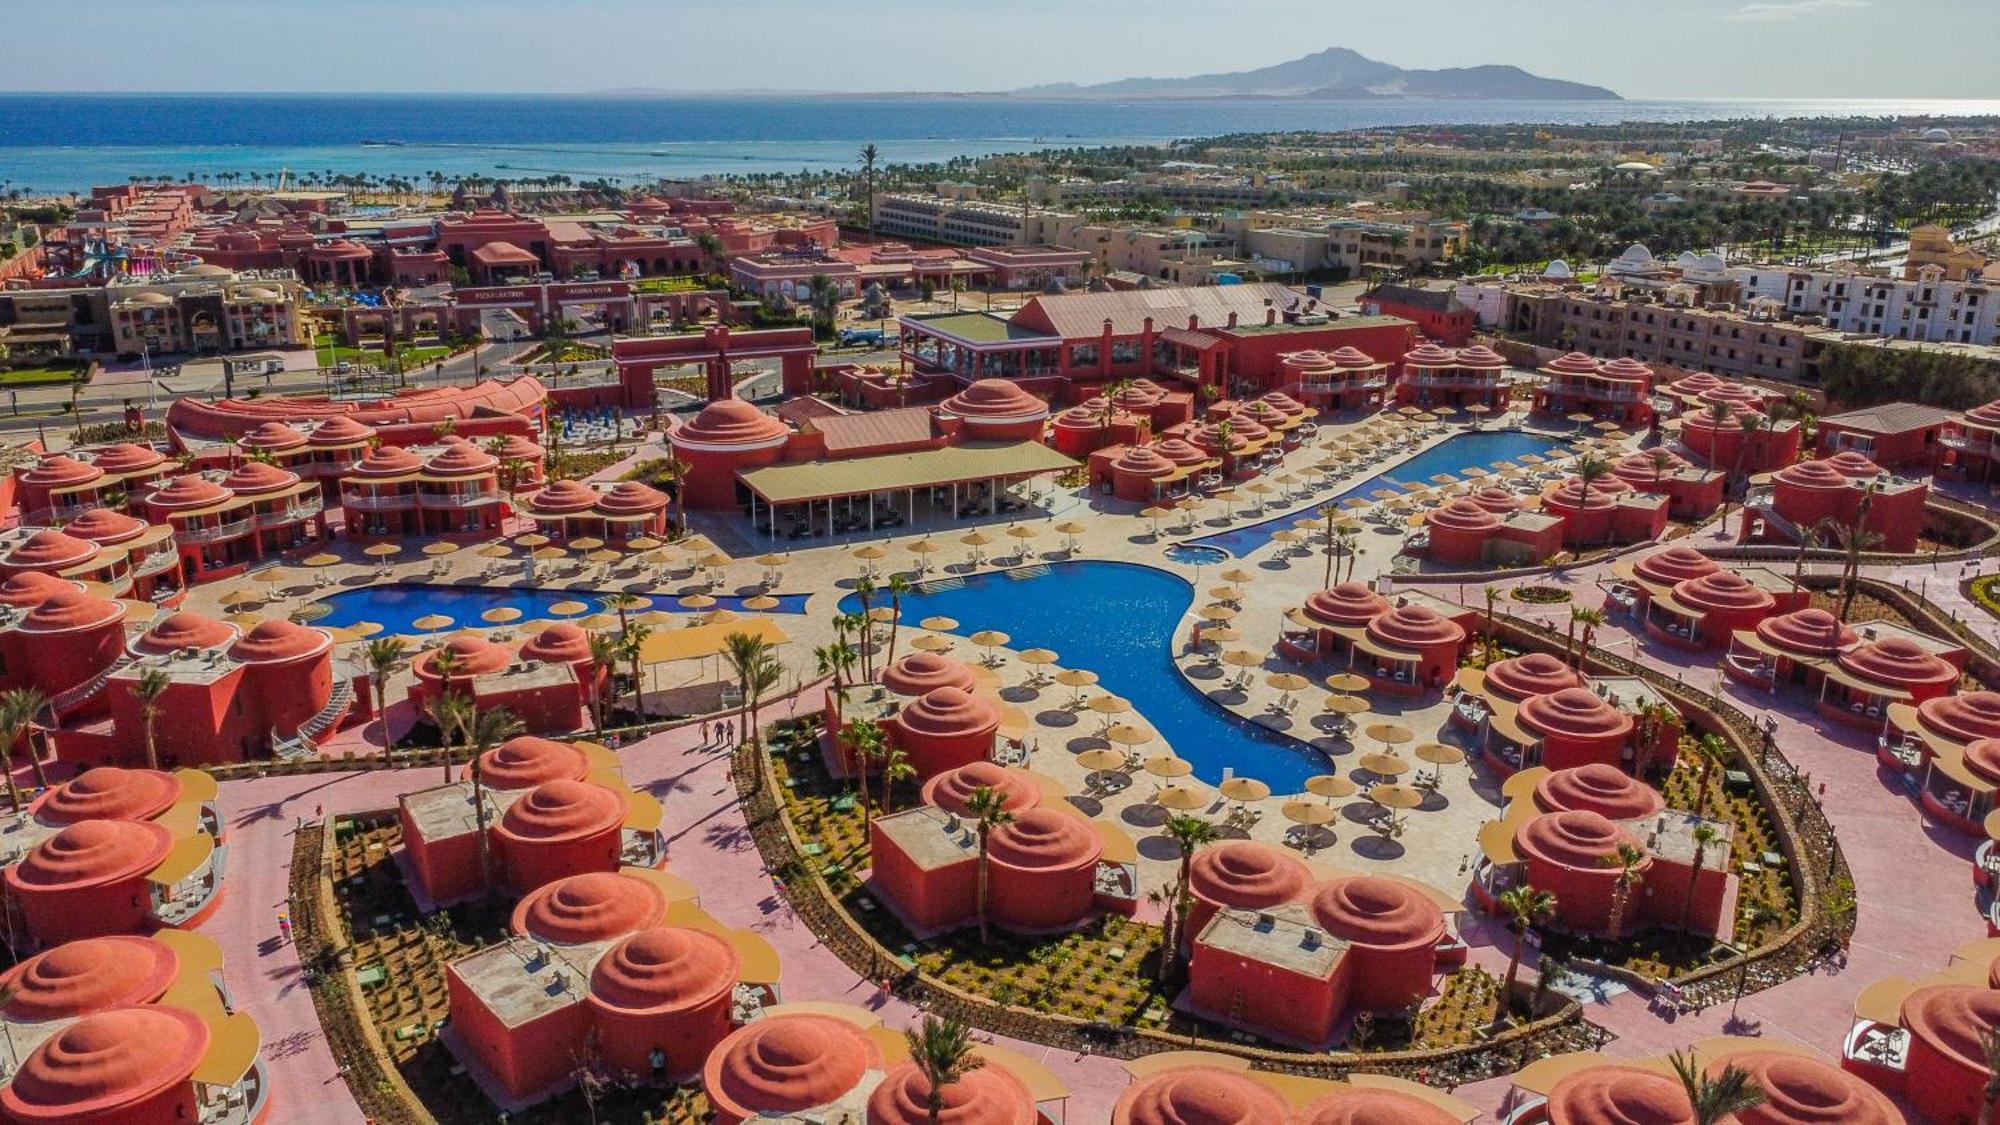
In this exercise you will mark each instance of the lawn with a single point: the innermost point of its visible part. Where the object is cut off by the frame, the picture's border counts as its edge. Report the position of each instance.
(667, 285)
(410, 1000)
(327, 350)
(37, 377)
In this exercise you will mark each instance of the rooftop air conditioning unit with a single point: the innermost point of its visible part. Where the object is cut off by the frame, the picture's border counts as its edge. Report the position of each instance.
(1310, 940)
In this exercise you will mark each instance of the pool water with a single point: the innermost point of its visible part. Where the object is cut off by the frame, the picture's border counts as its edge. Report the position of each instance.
(1195, 555)
(397, 606)
(1454, 455)
(1118, 620)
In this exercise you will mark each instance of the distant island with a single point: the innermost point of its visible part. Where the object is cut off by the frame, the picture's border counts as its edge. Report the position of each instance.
(1339, 73)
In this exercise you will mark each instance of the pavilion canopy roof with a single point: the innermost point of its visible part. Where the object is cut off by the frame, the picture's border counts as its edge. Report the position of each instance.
(820, 480)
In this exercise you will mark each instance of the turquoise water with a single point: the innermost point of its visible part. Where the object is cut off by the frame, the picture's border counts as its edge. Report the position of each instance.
(397, 606)
(1118, 620)
(1454, 454)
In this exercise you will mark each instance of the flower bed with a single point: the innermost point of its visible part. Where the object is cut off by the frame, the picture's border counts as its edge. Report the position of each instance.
(1539, 595)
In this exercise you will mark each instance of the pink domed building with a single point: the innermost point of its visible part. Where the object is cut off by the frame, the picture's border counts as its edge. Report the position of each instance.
(1242, 875)
(791, 1065)
(1844, 489)
(1944, 1071)
(1210, 1095)
(1346, 378)
(1613, 1094)
(1975, 455)
(1726, 446)
(1800, 1090)
(945, 728)
(1605, 790)
(1573, 855)
(632, 510)
(150, 1064)
(1608, 512)
(952, 790)
(1333, 617)
(997, 410)
(727, 436)
(1959, 788)
(1619, 390)
(1865, 678)
(1041, 867)
(560, 827)
(1788, 648)
(1692, 492)
(1459, 531)
(668, 989)
(1409, 650)
(1042, 871)
(64, 641)
(89, 879)
(990, 1095)
(1573, 727)
(1392, 931)
(1140, 475)
(1706, 612)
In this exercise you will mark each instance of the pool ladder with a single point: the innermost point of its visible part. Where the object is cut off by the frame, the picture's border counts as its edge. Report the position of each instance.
(1023, 573)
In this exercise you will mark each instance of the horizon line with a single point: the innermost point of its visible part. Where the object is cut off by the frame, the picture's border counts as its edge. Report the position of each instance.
(1023, 94)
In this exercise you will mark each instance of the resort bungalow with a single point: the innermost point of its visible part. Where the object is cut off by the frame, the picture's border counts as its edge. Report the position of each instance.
(1972, 452)
(1797, 1088)
(1885, 666)
(1843, 490)
(1042, 868)
(1707, 611)
(452, 490)
(226, 521)
(1604, 512)
(1181, 1087)
(1435, 378)
(551, 810)
(1692, 492)
(1899, 436)
(1743, 441)
(549, 696)
(1573, 853)
(1788, 648)
(1618, 390)
(1491, 531)
(1411, 648)
(143, 1064)
(1943, 728)
(1528, 713)
(58, 554)
(1920, 1039)
(1344, 379)
(59, 487)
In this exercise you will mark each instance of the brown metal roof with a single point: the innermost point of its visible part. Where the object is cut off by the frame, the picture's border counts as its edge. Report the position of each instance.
(1083, 314)
(1890, 418)
(876, 429)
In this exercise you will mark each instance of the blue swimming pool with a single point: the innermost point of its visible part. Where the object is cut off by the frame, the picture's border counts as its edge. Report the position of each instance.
(397, 606)
(1118, 620)
(1455, 454)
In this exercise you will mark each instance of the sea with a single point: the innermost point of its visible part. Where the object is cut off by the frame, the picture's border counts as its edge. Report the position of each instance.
(52, 143)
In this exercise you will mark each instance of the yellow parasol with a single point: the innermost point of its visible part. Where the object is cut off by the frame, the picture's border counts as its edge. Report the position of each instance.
(568, 608)
(321, 559)
(760, 603)
(382, 550)
(695, 601)
(1217, 613)
(1111, 705)
(1439, 754)
(940, 623)
(1245, 789)
(1101, 759)
(1392, 734)
(1182, 798)
(1166, 765)
(1238, 575)
(1395, 796)
(1243, 658)
(365, 628)
(1346, 705)
(1312, 814)
(930, 643)
(547, 554)
(240, 597)
(501, 615)
(532, 539)
(1222, 634)
(1037, 656)
(587, 543)
(1384, 764)
(440, 547)
(1330, 786)
(1076, 677)
(431, 622)
(1129, 734)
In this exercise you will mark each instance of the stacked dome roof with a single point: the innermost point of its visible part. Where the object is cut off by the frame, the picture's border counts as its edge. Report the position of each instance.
(589, 907)
(1537, 673)
(1814, 632)
(1724, 590)
(184, 630)
(1246, 875)
(1803, 1091)
(1378, 913)
(110, 793)
(526, 761)
(1580, 840)
(1199, 1095)
(1043, 839)
(1346, 604)
(563, 810)
(1619, 1095)
(787, 1065)
(953, 789)
(89, 975)
(730, 421)
(1966, 717)
(990, 1095)
(278, 641)
(1574, 712)
(921, 673)
(995, 400)
(663, 970)
(1364, 1106)
(560, 643)
(97, 1067)
(1415, 627)
(1898, 662)
(92, 853)
(564, 497)
(1603, 789)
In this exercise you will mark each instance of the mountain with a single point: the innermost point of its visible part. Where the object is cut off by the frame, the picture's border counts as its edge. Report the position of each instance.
(1338, 73)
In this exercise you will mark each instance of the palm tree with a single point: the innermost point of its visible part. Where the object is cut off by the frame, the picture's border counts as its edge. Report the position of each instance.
(1715, 1100)
(1189, 834)
(631, 644)
(454, 713)
(1704, 835)
(1857, 537)
(823, 298)
(942, 1050)
(1523, 906)
(383, 658)
(1627, 859)
(1718, 413)
(488, 729)
(1330, 516)
(605, 651)
(18, 708)
(622, 602)
(1653, 718)
(1590, 618)
(895, 767)
(897, 587)
(1590, 468)
(867, 740)
(147, 689)
(1660, 461)
(757, 671)
(1989, 1094)
(989, 810)
(1713, 751)
(867, 157)
(864, 588)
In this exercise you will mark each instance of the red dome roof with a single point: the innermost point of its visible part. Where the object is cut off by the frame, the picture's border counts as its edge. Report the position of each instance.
(187, 492)
(1733, 423)
(1636, 467)
(921, 673)
(127, 457)
(1199, 1095)
(70, 610)
(49, 549)
(1966, 717)
(1674, 566)
(1428, 354)
(110, 793)
(995, 400)
(90, 975)
(564, 497)
(272, 437)
(1139, 394)
(1537, 673)
(96, 1067)
(1480, 356)
(515, 447)
(1415, 627)
(177, 631)
(1266, 416)
(1848, 463)
(948, 712)
(1949, 1018)
(562, 810)
(1209, 437)
(278, 642)
(472, 655)
(1082, 416)
(387, 461)
(630, 497)
(1815, 475)
(561, 643)
(1246, 875)
(1363, 1106)
(1284, 404)
(1619, 1095)
(1353, 358)
(990, 1095)
(1983, 758)
(1378, 913)
(730, 421)
(1568, 494)
(340, 430)
(1626, 368)
(590, 907)
(1985, 417)
(1497, 500)
(1242, 425)
(1575, 712)
(1897, 662)
(1312, 359)
(953, 789)
(1580, 840)
(664, 970)
(1600, 788)
(91, 853)
(1142, 461)
(526, 761)
(255, 478)
(1464, 515)
(1812, 631)
(1723, 590)
(1179, 451)
(461, 459)
(1574, 363)
(31, 588)
(1803, 1091)
(1044, 839)
(1697, 382)
(57, 470)
(102, 525)
(787, 1064)
(1349, 603)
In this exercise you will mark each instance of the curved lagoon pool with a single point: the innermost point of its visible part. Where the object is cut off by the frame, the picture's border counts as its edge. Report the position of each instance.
(1455, 454)
(1118, 619)
(397, 606)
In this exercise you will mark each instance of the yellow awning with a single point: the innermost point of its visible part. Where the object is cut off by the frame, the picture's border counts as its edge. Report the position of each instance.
(760, 959)
(1457, 1108)
(673, 886)
(1298, 1090)
(1471, 680)
(185, 858)
(1853, 682)
(1882, 1001)
(600, 757)
(232, 1047)
(1541, 1076)
(1523, 782)
(1146, 1066)
(859, 1017)
(1042, 1083)
(1504, 723)
(1496, 841)
(1373, 647)
(196, 785)
(183, 819)
(198, 953)
(697, 641)
(642, 812)
(1716, 1048)
(1954, 767)
(196, 992)
(1118, 845)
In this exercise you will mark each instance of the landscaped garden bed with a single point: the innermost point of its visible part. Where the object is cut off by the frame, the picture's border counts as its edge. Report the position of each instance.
(1539, 595)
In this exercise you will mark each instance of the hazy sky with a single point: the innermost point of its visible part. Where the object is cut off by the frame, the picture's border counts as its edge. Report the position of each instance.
(1641, 48)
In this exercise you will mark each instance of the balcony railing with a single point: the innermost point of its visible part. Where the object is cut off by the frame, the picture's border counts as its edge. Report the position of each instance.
(234, 529)
(457, 500)
(155, 562)
(365, 502)
(291, 513)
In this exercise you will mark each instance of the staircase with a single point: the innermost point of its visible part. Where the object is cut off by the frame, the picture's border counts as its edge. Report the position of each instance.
(82, 693)
(300, 746)
(1023, 573)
